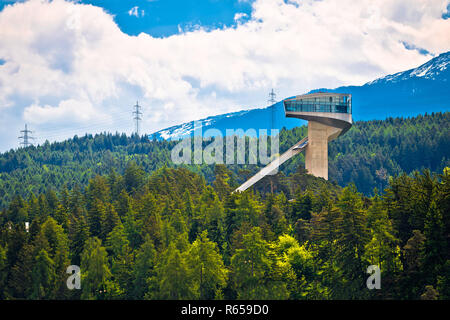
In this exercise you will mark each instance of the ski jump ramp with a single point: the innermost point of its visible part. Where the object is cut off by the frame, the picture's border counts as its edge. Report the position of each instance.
(329, 115)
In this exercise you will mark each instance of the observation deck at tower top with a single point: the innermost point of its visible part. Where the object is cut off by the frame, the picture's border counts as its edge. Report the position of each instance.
(328, 108)
(319, 102)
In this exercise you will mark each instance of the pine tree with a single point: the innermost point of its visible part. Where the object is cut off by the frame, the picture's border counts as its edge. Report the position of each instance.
(18, 210)
(175, 281)
(383, 249)
(414, 255)
(111, 220)
(95, 271)
(133, 177)
(435, 243)
(222, 178)
(98, 189)
(188, 204)
(96, 218)
(3, 272)
(443, 201)
(144, 269)
(133, 229)
(43, 276)
(153, 226)
(121, 258)
(249, 266)
(276, 223)
(302, 206)
(205, 263)
(351, 239)
(123, 204)
(58, 251)
(20, 275)
(443, 282)
(429, 294)
(78, 236)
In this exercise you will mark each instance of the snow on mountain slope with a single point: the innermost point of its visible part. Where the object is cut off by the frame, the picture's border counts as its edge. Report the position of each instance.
(435, 69)
(408, 93)
(186, 129)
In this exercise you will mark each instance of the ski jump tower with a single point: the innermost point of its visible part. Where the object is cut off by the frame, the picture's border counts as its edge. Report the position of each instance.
(329, 115)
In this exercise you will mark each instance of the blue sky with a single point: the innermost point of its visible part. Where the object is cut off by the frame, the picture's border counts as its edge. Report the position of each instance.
(162, 18)
(71, 67)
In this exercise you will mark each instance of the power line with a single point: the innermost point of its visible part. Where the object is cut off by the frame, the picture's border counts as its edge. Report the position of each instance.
(26, 137)
(88, 126)
(271, 102)
(137, 113)
(99, 119)
(58, 131)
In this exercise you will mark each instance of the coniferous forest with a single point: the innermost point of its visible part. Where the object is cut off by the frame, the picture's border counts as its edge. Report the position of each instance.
(366, 155)
(141, 228)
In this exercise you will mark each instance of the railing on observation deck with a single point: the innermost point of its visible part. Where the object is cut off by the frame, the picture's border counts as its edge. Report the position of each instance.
(337, 104)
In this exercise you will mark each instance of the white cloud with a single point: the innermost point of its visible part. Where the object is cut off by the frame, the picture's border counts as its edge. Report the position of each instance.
(67, 112)
(239, 16)
(136, 12)
(68, 61)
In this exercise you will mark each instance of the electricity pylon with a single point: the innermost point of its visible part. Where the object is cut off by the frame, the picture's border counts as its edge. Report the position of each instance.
(137, 113)
(271, 102)
(26, 137)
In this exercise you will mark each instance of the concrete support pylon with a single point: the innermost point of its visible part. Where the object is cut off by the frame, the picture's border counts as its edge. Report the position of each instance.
(316, 155)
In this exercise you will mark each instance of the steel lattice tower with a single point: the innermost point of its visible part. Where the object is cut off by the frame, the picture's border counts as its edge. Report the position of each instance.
(26, 137)
(137, 113)
(271, 102)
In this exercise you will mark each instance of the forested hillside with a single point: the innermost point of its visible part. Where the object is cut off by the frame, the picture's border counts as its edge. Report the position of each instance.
(141, 229)
(367, 155)
(169, 235)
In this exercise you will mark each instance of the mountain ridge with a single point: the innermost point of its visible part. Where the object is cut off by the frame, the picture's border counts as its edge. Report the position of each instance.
(424, 89)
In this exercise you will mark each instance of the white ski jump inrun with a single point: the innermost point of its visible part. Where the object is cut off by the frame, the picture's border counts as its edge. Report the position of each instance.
(267, 170)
